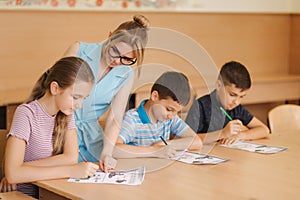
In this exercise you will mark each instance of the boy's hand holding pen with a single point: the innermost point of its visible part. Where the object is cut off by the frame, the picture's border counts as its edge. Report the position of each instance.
(168, 151)
(164, 141)
(233, 127)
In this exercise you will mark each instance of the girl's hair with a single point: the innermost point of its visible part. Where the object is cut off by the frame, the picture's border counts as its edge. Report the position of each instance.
(65, 72)
(134, 33)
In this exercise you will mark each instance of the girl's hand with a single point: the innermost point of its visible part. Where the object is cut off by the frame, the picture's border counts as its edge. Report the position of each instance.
(232, 128)
(108, 163)
(84, 170)
(6, 187)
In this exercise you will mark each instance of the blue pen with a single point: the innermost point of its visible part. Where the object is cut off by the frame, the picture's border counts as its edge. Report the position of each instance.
(163, 140)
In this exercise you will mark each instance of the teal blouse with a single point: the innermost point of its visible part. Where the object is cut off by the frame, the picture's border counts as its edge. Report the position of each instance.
(90, 133)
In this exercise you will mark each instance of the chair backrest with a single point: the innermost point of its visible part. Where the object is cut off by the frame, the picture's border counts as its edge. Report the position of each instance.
(284, 117)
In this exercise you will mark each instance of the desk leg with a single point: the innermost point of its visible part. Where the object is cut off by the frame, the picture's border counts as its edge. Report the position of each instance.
(48, 195)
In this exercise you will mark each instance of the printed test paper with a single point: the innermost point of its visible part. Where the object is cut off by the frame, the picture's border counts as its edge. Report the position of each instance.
(198, 158)
(255, 147)
(128, 177)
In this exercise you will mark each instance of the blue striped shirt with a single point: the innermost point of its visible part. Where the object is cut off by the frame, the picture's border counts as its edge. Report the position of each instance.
(138, 130)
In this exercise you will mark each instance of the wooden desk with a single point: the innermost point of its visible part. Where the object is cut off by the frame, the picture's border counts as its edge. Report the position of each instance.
(245, 176)
(15, 195)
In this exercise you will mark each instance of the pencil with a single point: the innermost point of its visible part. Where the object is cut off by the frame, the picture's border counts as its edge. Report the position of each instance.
(163, 140)
(227, 115)
(84, 159)
(81, 155)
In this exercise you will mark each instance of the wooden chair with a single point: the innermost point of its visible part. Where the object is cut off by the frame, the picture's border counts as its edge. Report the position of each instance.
(284, 117)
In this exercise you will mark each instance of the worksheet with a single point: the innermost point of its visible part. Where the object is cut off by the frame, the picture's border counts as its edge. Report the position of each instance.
(255, 147)
(128, 177)
(198, 158)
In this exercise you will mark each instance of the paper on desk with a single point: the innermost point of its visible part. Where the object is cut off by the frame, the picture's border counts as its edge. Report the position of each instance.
(128, 177)
(255, 147)
(198, 158)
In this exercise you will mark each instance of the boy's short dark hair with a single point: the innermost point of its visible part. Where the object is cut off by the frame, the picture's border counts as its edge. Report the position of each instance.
(235, 73)
(174, 85)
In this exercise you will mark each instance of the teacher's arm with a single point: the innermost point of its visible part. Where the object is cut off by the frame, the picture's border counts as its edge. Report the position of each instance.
(114, 122)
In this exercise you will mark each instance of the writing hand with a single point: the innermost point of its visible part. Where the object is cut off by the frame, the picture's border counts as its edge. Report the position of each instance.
(84, 170)
(165, 151)
(232, 128)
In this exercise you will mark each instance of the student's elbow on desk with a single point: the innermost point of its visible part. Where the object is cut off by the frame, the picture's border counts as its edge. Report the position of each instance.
(251, 134)
(266, 131)
(13, 172)
(197, 143)
(12, 180)
(259, 133)
(260, 128)
(12, 176)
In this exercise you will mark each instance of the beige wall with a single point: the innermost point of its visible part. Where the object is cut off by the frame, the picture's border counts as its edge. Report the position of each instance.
(295, 45)
(31, 41)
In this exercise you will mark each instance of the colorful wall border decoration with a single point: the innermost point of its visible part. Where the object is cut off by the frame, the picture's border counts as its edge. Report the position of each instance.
(238, 6)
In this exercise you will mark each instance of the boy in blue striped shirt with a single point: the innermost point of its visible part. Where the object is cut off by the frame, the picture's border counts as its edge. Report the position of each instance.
(156, 117)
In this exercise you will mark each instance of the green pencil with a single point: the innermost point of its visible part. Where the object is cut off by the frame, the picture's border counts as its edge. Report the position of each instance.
(227, 115)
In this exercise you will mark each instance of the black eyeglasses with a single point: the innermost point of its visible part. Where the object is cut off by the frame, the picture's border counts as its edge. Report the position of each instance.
(115, 53)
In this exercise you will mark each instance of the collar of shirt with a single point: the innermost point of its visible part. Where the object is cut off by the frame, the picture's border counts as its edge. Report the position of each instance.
(142, 113)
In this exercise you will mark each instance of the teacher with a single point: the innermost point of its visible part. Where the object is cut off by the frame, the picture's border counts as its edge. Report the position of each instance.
(111, 63)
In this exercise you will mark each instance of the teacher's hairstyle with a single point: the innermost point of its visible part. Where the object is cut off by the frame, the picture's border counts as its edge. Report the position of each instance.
(65, 72)
(134, 33)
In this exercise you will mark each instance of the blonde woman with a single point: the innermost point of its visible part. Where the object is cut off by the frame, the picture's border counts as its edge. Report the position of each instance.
(111, 63)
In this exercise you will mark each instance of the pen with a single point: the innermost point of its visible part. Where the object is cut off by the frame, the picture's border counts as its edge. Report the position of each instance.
(227, 115)
(83, 158)
(163, 140)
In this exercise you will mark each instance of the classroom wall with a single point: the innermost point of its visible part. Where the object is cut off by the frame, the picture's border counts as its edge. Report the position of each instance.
(246, 6)
(295, 45)
(32, 41)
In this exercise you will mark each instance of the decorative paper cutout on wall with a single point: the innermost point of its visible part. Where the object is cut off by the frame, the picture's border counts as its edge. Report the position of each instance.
(154, 5)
